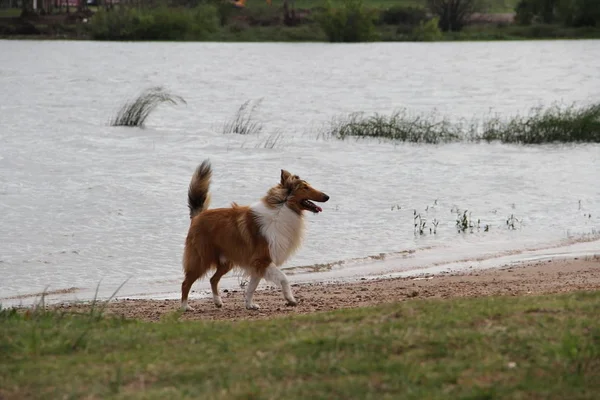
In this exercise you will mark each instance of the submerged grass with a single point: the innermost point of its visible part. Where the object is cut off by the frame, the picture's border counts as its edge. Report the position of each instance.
(554, 124)
(244, 122)
(497, 347)
(136, 112)
(400, 126)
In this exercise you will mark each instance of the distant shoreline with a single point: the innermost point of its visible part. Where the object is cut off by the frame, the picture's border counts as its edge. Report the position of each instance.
(266, 25)
(493, 35)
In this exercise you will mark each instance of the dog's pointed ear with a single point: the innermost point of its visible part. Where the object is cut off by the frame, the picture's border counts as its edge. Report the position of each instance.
(284, 176)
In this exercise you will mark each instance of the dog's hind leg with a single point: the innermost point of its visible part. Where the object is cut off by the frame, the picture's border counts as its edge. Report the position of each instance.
(194, 267)
(223, 267)
(190, 278)
(278, 277)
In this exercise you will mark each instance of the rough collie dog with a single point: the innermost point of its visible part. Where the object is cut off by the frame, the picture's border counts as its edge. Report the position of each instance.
(257, 238)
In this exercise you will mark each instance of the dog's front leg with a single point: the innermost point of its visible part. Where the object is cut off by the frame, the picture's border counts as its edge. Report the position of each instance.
(277, 276)
(252, 285)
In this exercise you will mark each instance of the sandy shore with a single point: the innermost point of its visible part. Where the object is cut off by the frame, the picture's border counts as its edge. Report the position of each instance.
(540, 277)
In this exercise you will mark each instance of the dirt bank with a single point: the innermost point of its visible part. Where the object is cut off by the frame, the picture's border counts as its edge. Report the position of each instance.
(539, 277)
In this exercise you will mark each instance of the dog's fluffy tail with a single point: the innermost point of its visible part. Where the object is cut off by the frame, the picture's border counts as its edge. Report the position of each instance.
(198, 195)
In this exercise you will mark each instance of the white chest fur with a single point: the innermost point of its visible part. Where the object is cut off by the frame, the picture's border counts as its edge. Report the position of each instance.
(283, 229)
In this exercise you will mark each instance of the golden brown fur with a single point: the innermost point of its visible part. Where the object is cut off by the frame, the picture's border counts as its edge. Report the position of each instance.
(238, 236)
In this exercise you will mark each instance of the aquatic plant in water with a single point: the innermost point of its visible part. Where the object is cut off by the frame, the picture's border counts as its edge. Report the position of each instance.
(135, 113)
(399, 126)
(554, 124)
(244, 123)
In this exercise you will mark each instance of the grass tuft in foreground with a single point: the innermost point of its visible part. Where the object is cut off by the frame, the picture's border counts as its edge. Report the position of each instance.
(496, 347)
(136, 112)
(551, 125)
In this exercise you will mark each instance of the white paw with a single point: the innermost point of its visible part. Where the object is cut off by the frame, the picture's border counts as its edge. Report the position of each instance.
(185, 307)
(292, 303)
(253, 306)
(218, 303)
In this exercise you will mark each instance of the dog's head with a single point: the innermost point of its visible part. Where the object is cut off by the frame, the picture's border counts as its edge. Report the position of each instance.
(299, 194)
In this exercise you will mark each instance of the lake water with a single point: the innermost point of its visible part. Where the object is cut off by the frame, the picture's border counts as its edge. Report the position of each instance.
(83, 203)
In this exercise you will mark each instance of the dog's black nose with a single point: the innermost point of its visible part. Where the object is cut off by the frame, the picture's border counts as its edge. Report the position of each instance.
(325, 197)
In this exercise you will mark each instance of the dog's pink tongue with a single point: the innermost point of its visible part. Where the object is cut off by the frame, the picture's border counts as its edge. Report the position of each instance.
(319, 209)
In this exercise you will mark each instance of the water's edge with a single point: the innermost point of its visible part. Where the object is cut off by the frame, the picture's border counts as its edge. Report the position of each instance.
(403, 264)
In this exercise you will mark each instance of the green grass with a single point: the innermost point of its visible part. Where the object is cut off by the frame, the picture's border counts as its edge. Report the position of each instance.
(390, 33)
(243, 33)
(315, 4)
(554, 124)
(549, 125)
(492, 6)
(516, 32)
(10, 12)
(399, 126)
(499, 347)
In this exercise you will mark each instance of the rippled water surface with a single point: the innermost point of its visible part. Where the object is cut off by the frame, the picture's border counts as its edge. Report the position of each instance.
(82, 202)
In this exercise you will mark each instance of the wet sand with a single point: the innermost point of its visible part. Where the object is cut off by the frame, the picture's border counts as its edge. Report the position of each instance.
(539, 277)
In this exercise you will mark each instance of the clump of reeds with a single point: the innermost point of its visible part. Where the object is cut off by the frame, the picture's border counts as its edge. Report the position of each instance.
(135, 113)
(465, 223)
(244, 122)
(399, 126)
(554, 124)
(420, 224)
